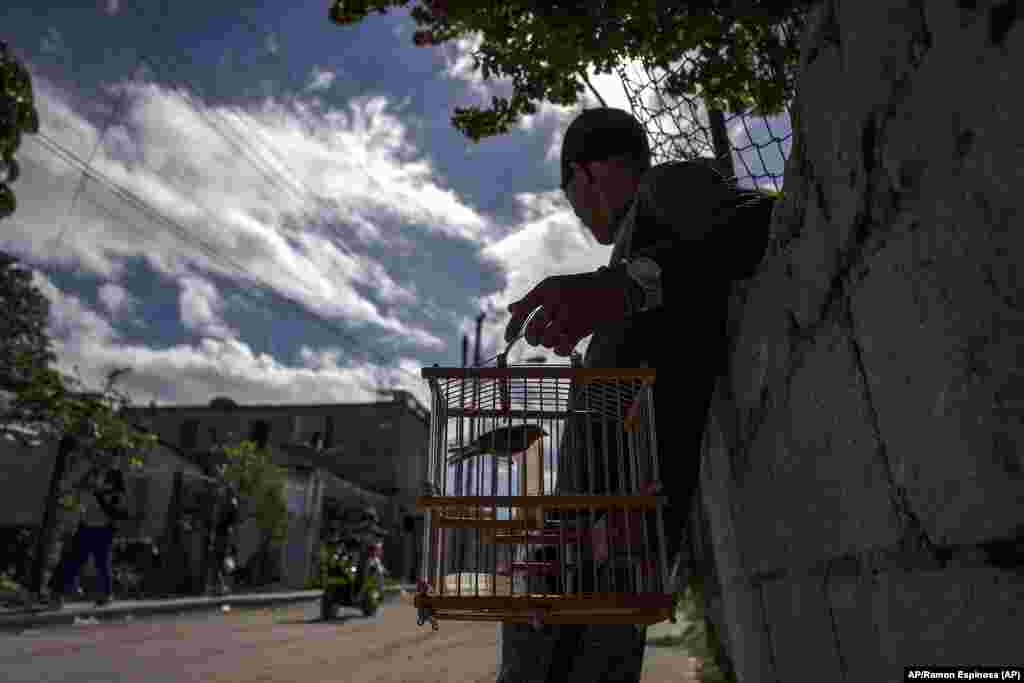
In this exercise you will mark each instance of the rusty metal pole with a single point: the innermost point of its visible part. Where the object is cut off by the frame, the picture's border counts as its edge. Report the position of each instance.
(720, 140)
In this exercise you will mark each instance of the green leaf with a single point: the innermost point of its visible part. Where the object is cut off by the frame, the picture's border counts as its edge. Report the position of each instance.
(28, 118)
(542, 45)
(7, 201)
(13, 169)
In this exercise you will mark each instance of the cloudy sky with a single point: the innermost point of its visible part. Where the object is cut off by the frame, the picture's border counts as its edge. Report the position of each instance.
(275, 208)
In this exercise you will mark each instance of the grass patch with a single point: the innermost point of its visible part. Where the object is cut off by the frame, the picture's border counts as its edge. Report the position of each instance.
(696, 638)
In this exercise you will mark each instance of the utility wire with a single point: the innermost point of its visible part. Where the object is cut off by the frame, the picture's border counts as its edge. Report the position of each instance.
(247, 148)
(212, 252)
(187, 236)
(115, 110)
(244, 146)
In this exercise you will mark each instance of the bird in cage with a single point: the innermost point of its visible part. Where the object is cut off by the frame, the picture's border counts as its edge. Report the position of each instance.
(503, 442)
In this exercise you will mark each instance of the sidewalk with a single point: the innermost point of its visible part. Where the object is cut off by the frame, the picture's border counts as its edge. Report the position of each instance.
(17, 619)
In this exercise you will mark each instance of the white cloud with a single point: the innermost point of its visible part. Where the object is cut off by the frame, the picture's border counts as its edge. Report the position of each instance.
(115, 298)
(200, 305)
(72, 323)
(320, 79)
(458, 59)
(351, 166)
(194, 374)
(551, 241)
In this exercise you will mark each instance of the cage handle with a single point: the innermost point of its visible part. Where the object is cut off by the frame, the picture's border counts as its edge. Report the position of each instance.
(502, 362)
(522, 333)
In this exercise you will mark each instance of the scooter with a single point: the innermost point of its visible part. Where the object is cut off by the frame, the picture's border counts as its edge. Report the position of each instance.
(353, 576)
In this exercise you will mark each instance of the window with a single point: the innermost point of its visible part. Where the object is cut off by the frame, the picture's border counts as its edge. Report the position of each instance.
(189, 434)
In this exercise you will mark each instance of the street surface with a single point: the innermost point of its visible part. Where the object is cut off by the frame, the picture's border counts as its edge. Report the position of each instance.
(281, 645)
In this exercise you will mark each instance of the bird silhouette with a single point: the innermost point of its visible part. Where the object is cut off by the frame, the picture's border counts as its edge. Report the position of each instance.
(503, 442)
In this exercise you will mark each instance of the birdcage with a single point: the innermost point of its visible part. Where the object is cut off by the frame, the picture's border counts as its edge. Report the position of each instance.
(541, 497)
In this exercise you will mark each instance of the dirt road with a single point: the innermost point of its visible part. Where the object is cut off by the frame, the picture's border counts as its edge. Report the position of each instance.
(286, 645)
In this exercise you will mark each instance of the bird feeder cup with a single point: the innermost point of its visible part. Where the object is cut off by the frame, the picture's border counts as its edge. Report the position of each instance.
(541, 497)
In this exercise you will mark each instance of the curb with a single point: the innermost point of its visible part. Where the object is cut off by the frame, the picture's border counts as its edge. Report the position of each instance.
(119, 610)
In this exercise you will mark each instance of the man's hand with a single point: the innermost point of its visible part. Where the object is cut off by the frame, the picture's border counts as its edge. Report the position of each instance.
(571, 308)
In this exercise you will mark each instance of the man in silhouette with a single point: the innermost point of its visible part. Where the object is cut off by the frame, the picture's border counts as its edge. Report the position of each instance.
(680, 234)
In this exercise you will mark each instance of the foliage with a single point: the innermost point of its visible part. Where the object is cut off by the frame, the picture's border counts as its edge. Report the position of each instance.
(737, 58)
(46, 404)
(18, 115)
(24, 315)
(698, 636)
(52, 405)
(11, 592)
(257, 479)
(8, 584)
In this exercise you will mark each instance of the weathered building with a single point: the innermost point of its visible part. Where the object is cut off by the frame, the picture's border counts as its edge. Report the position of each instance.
(380, 448)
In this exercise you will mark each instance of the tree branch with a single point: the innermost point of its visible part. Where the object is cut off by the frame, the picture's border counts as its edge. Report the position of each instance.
(593, 89)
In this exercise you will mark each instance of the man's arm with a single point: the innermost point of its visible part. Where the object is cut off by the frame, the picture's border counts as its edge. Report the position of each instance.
(693, 208)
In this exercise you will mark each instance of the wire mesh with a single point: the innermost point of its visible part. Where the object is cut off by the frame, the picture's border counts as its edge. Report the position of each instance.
(681, 127)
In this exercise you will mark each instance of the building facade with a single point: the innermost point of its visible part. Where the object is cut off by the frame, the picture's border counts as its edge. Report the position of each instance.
(379, 448)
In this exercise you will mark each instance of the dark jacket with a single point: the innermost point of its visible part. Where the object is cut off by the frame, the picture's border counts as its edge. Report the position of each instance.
(704, 234)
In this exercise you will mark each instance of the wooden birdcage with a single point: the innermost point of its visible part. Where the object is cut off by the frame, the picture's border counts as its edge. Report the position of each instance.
(541, 498)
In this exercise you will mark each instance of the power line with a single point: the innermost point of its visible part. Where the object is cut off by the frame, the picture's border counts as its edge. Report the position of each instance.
(96, 148)
(244, 146)
(186, 236)
(128, 197)
(260, 165)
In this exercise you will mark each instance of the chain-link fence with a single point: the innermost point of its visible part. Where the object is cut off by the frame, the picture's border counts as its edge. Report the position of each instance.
(752, 148)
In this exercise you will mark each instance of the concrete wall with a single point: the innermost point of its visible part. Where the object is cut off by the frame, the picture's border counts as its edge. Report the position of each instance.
(367, 447)
(305, 509)
(25, 479)
(863, 476)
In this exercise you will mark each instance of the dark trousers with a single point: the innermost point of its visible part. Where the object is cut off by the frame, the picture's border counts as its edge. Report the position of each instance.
(599, 653)
(607, 653)
(95, 541)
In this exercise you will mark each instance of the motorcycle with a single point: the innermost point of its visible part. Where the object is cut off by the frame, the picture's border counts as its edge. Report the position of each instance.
(353, 576)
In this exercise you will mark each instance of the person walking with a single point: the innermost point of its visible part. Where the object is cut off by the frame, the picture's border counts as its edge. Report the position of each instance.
(662, 302)
(95, 534)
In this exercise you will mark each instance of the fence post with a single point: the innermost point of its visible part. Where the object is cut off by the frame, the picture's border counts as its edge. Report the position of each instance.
(720, 141)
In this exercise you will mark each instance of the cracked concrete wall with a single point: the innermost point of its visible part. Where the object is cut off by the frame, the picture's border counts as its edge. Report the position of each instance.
(863, 473)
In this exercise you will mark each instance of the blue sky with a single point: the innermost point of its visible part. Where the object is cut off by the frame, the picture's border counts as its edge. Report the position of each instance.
(330, 232)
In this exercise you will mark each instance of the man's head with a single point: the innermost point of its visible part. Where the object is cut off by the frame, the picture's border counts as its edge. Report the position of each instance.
(604, 154)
